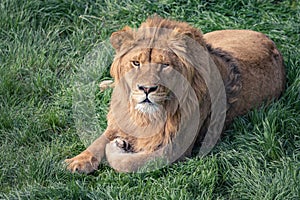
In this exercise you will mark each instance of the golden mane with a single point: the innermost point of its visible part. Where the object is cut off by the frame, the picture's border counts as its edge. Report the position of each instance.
(129, 38)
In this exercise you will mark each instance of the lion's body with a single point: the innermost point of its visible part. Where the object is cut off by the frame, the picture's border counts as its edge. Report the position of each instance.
(250, 65)
(258, 61)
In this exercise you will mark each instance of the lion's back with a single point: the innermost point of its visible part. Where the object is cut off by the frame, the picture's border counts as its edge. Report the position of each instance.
(259, 62)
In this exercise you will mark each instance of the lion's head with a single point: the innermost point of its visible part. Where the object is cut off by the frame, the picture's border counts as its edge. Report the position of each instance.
(154, 81)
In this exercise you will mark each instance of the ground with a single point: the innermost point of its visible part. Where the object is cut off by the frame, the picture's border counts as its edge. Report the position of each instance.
(42, 46)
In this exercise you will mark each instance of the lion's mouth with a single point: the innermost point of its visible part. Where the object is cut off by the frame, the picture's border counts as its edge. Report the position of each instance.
(147, 101)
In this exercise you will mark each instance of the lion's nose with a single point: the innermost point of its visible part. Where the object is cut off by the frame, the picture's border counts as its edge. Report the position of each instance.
(147, 89)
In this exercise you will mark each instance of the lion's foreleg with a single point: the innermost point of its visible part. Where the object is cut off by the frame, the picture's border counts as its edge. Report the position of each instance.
(97, 148)
(123, 161)
(89, 160)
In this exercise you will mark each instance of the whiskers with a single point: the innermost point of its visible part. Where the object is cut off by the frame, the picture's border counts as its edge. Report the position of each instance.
(159, 97)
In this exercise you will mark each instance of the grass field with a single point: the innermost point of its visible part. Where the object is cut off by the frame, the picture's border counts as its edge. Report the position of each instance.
(42, 44)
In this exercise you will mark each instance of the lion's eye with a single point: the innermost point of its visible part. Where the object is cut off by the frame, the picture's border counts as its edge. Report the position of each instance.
(136, 63)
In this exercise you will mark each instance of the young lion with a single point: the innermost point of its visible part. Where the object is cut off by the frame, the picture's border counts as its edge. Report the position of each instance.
(167, 80)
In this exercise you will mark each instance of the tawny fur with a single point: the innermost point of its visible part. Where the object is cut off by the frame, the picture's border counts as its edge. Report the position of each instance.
(250, 65)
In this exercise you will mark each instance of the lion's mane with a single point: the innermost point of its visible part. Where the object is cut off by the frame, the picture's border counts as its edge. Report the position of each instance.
(125, 40)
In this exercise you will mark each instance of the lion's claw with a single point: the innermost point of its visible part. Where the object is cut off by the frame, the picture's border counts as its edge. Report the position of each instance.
(122, 144)
(83, 163)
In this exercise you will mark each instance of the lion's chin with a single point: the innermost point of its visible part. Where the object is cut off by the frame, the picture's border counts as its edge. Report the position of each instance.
(148, 113)
(147, 108)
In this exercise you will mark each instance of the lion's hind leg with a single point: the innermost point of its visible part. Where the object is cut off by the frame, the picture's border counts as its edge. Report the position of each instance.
(106, 84)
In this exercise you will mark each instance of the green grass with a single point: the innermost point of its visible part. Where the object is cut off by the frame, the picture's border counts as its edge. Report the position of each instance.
(42, 47)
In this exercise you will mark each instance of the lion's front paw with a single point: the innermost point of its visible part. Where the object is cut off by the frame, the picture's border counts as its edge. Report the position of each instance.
(117, 146)
(123, 144)
(85, 162)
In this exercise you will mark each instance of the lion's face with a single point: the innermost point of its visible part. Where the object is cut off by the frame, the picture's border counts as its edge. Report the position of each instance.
(148, 79)
(153, 75)
(146, 73)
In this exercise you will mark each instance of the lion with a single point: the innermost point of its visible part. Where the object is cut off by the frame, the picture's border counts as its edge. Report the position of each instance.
(160, 85)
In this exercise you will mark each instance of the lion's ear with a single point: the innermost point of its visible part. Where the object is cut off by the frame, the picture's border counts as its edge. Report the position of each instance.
(117, 39)
(184, 33)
